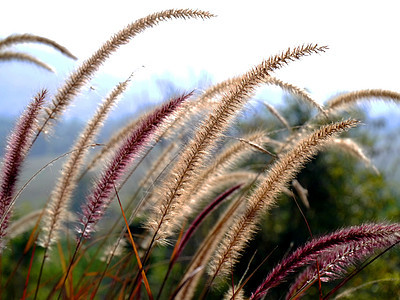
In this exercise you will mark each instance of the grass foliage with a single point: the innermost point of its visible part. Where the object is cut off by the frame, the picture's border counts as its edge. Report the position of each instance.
(187, 218)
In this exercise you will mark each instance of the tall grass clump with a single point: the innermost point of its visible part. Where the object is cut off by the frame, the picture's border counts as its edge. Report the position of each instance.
(176, 198)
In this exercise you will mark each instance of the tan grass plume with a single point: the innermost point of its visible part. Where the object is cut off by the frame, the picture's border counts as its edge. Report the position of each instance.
(31, 38)
(205, 183)
(295, 90)
(354, 149)
(201, 105)
(11, 55)
(264, 196)
(164, 222)
(281, 119)
(61, 195)
(352, 98)
(86, 71)
(302, 192)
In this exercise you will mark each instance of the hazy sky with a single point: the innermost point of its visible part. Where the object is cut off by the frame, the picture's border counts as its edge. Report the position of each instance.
(362, 36)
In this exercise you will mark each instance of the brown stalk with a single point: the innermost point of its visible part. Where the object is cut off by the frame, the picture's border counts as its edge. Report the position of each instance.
(143, 273)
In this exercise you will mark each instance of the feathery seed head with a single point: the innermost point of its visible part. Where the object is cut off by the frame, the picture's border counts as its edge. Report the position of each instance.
(61, 195)
(99, 199)
(165, 219)
(363, 239)
(17, 148)
(85, 72)
(351, 98)
(11, 55)
(276, 179)
(30, 38)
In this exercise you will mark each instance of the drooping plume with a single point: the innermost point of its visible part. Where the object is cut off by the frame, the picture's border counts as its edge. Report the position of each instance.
(24, 57)
(351, 147)
(31, 38)
(295, 90)
(351, 98)
(85, 72)
(10, 55)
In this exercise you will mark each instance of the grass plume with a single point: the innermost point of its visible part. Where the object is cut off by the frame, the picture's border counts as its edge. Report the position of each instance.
(264, 196)
(196, 176)
(61, 195)
(85, 72)
(167, 217)
(352, 98)
(298, 92)
(24, 57)
(31, 38)
(17, 148)
(281, 119)
(351, 147)
(362, 239)
(99, 199)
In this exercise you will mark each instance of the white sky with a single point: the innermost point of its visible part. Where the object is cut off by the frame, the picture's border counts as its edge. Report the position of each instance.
(363, 37)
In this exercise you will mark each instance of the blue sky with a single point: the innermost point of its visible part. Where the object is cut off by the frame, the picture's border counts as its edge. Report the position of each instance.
(362, 36)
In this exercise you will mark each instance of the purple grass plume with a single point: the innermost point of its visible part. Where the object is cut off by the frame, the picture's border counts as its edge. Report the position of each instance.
(100, 197)
(362, 240)
(335, 263)
(18, 145)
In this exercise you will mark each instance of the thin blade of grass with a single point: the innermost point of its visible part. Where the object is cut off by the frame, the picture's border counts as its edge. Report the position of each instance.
(146, 283)
(83, 292)
(62, 261)
(29, 273)
(177, 244)
(252, 274)
(311, 235)
(135, 292)
(108, 275)
(174, 256)
(33, 236)
(189, 277)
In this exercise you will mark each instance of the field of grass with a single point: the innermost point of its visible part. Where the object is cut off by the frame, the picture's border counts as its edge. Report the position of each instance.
(191, 201)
